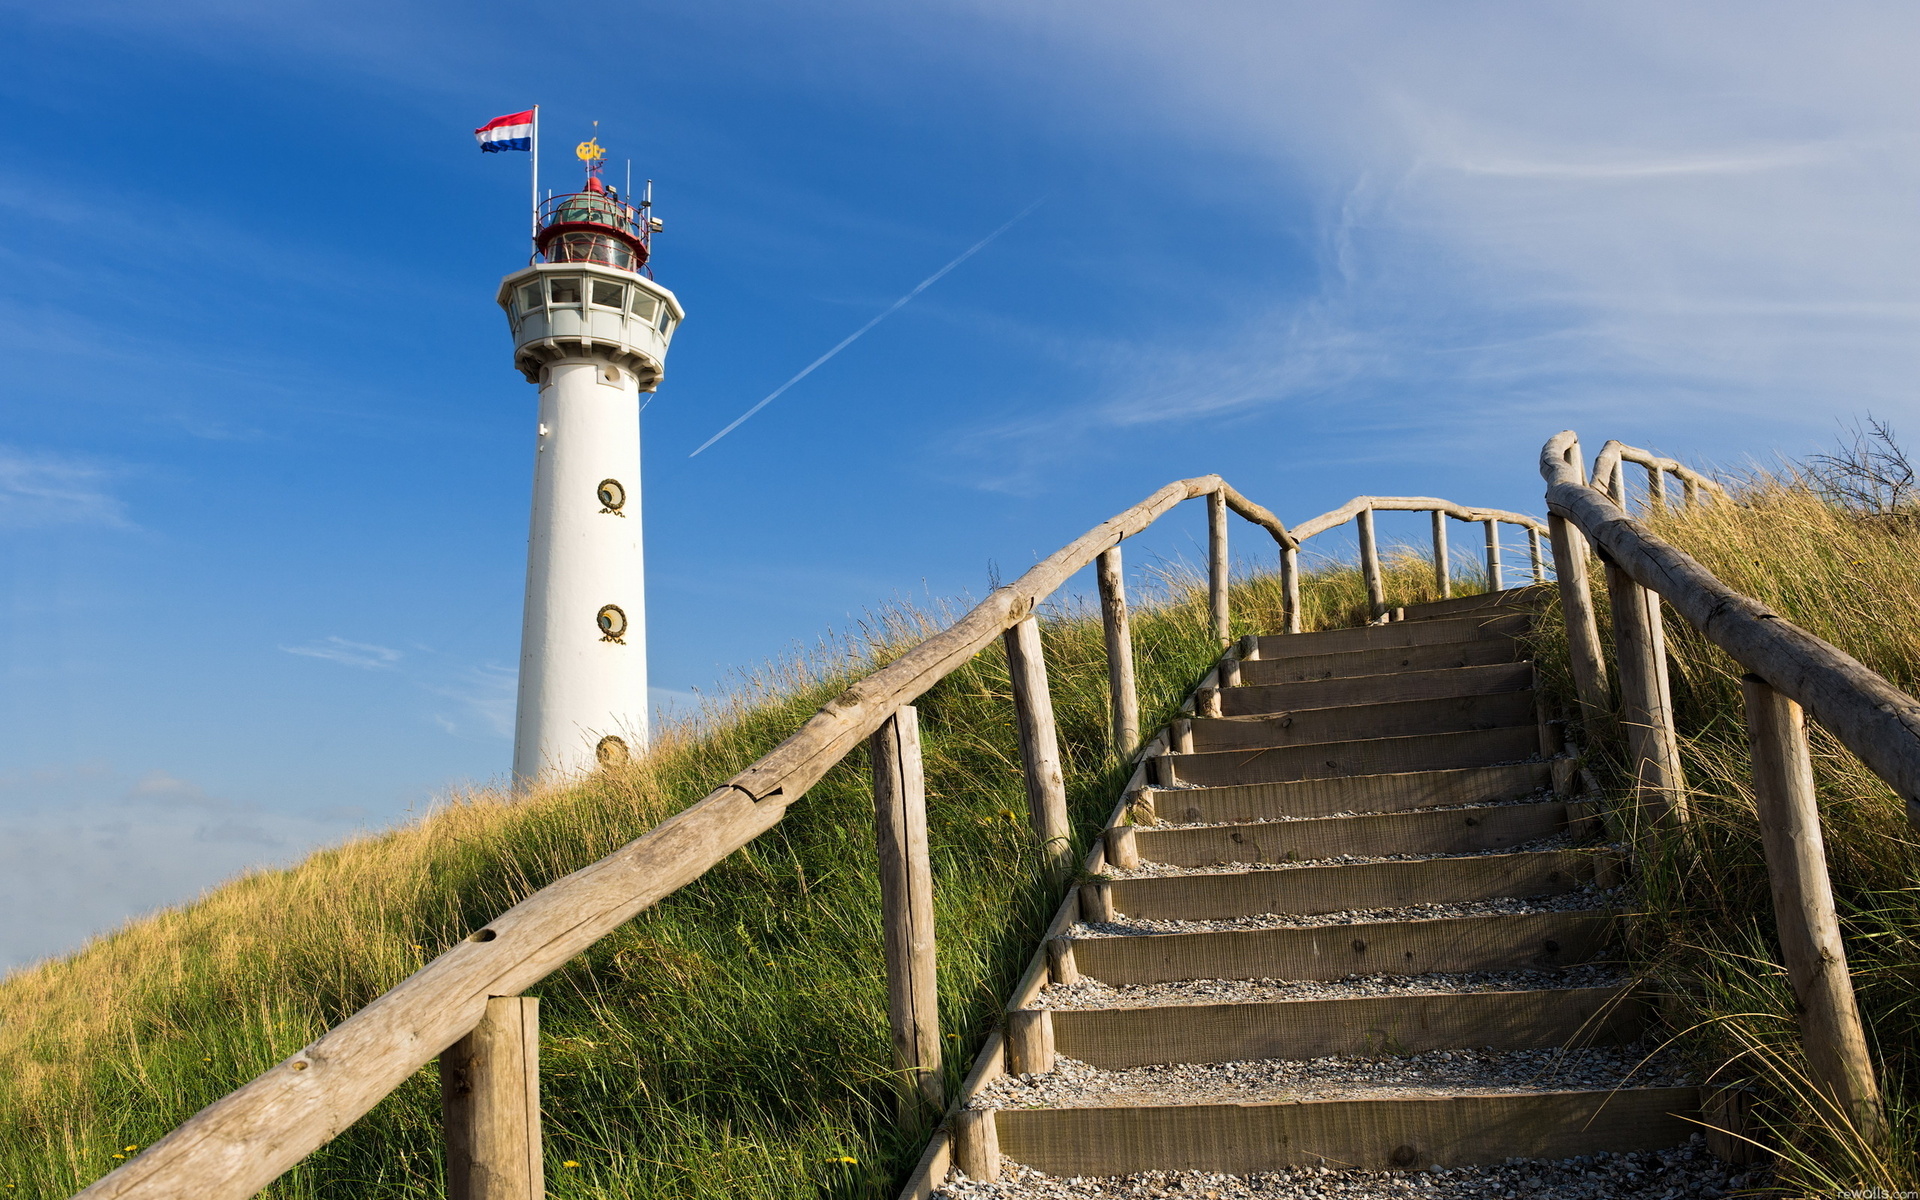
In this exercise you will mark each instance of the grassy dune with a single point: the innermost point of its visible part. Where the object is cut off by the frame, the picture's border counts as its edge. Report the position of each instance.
(730, 1042)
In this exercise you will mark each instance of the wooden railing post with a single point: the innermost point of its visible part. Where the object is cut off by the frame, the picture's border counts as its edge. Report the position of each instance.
(1533, 548)
(1039, 744)
(1121, 688)
(1442, 565)
(490, 1105)
(1789, 812)
(1656, 488)
(906, 908)
(1290, 588)
(1646, 707)
(1217, 565)
(1495, 581)
(1583, 630)
(1370, 566)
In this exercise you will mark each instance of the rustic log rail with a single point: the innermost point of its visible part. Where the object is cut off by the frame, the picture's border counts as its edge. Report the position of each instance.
(466, 1007)
(1360, 511)
(1788, 670)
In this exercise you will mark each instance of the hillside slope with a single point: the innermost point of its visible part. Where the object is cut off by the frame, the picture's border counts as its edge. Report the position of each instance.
(731, 1042)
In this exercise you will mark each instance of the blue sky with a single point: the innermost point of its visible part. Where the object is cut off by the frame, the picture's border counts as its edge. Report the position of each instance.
(264, 466)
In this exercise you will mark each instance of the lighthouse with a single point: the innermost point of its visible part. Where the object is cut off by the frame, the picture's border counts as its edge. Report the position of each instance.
(590, 330)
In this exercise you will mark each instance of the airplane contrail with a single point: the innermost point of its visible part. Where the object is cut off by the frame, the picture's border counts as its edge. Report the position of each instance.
(853, 337)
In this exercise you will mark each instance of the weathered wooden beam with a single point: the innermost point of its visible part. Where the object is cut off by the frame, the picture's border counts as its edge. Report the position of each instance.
(1646, 707)
(906, 909)
(1122, 689)
(1352, 508)
(1029, 1041)
(1494, 581)
(976, 1145)
(490, 1105)
(1442, 557)
(1218, 566)
(1370, 565)
(1039, 744)
(1533, 549)
(1584, 654)
(1870, 716)
(1788, 809)
(1290, 588)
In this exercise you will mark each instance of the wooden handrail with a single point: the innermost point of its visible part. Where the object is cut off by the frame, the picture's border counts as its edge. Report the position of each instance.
(1788, 669)
(242, 1142)
(1459, 512)
(1870, 716)
(1606, 473)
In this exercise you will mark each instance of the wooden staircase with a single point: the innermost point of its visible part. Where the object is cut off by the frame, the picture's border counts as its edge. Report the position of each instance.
(1356, 919)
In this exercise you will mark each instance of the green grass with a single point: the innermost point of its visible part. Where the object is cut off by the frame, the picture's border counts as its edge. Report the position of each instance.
(729, 1042)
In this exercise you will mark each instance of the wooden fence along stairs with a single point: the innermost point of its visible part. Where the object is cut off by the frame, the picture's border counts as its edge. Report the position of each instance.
(1385, 801)
(1417, 747)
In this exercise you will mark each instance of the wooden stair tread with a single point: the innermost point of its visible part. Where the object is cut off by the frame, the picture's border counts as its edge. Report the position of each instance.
(1483, 680)
(1395, 635)
(1353, 722)
(1368, 756)
(1377, 793)
(1113, 1038)
(1495, 942)
(1357, 886)
(1464, 830)
(1403, 1134)
(1347, 664)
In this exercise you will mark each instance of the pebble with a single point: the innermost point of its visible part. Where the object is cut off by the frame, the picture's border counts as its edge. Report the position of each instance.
(1685, 1171)
(1574, 901)
(1540, 796)
(1075, 1084)
(1155, 870)
(1093, 993)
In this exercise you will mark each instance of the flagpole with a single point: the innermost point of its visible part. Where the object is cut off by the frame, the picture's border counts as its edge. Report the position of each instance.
(536, 171)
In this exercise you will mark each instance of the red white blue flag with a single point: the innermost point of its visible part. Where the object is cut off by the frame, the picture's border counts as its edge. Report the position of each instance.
(511, 132)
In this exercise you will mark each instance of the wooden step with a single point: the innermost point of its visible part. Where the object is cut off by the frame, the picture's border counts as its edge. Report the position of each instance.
(1352, 663)
(1116, 1038)
(1520, 599)
(1369, 756)
(1376, 1135)
(1351, 793)
(1394, 718)
(1439, 831)
(1342, 888)
(1488, 680)
(1499, 942)
(1398, 635)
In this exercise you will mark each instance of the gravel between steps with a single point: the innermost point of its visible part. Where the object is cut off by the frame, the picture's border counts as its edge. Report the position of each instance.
(1685, 1171)
(1574, 901)
(1093, 993)
(1074, 1084)
(1155, 870)
(1539, 796)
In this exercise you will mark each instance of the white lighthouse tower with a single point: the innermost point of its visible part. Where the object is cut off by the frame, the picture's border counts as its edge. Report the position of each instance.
(591, 329)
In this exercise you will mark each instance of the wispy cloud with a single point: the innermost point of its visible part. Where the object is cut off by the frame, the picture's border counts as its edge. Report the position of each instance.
(352, 654)
(40, 488)
(1670, 214)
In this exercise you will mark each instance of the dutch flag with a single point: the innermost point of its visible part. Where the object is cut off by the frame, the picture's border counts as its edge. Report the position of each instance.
(511, 132)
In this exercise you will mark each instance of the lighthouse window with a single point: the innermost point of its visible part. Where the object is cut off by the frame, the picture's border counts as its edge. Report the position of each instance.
(529, 297)
(666, 319)
(564, 291)
(607, 293)
(645, 307)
